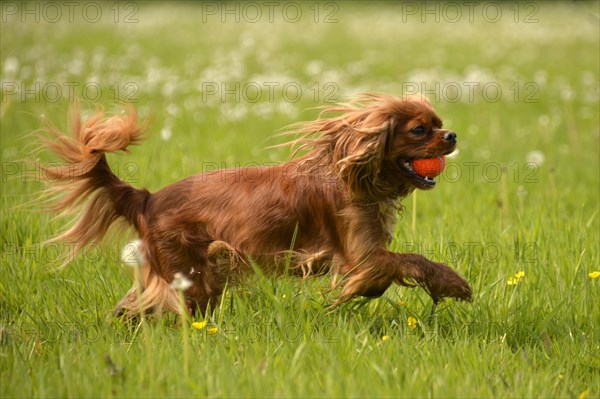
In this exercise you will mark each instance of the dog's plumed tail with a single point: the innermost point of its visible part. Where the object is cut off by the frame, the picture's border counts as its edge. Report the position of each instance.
(86, 178)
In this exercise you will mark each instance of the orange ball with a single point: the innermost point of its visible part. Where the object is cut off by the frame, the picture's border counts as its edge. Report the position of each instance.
(429, 167)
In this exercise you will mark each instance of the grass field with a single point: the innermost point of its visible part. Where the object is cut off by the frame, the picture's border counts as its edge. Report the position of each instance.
(517, 81)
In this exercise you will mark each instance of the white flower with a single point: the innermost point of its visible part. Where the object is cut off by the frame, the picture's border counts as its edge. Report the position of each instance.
(166, 133)
(11, 66)
(132, 254)
(314, 67)
(544, 120)
(173, 109)
(536, 157)
(180, 283)
(567, 93)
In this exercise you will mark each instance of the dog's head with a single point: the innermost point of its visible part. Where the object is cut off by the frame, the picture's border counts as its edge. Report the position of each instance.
(371, 145)
(418, 134)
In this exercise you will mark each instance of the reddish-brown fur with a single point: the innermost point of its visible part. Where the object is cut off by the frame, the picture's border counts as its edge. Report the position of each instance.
(332, 209)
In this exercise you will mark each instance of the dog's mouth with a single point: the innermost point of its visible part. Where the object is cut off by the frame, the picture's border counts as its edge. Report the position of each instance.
(419, 181)
(422, 182)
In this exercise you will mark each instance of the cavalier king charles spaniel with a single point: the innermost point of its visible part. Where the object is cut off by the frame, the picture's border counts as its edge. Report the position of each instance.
(331, 209)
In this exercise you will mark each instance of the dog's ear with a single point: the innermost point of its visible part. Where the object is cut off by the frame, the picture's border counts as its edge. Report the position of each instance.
(352, 146)
(359, 154)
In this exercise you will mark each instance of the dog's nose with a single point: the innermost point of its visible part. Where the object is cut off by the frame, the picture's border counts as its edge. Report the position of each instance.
(450, 137)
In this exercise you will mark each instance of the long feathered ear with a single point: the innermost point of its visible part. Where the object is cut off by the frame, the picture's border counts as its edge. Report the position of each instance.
(353, 145)
(359, 155)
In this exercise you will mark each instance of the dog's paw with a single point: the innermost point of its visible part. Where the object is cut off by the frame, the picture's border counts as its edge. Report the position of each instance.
(443, 282)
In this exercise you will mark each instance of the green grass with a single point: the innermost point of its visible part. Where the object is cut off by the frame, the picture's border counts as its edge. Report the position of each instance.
(276, 337)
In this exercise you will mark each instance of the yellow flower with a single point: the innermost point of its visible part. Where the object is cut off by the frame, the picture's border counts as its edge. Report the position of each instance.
(401, 303)
(199, 325)
(516, 279)
(385, 337)
(595, 274)
(520, 275)
(412, 322)
(584, 394)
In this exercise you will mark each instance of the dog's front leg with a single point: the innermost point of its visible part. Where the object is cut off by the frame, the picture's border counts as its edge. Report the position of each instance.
(382, 268)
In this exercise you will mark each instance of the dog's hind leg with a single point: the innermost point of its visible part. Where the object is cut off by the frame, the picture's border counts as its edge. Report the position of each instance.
(210, 268)
(224, 264)
(156, 295)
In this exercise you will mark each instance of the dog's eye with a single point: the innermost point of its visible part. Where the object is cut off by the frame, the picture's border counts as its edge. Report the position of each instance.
(419, 130)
